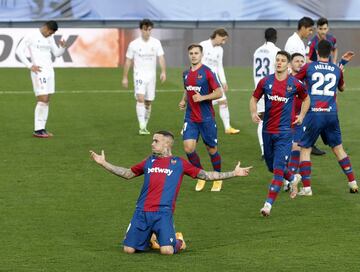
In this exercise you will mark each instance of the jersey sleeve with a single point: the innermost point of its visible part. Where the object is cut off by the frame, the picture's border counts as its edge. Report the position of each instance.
(130, 51)
(221, 71)
(259, 91)
(190, 169)
(341, 80)
(160, 50)
(302, 73)
(138, 169)
(301, 90)
(213, 81)
(24, 45)
(57, 51)
(311, 51)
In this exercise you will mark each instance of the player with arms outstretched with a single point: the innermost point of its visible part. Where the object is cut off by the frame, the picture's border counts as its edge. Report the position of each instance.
(163, 174)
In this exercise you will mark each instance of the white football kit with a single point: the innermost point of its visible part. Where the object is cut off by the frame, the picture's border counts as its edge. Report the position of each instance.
(39, 49)
(144, 55)
(213, 58)
(295, 44)
(264, 65)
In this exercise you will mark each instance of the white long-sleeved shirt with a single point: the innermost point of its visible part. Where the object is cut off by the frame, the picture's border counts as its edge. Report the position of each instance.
(213, 58)
(40, 49)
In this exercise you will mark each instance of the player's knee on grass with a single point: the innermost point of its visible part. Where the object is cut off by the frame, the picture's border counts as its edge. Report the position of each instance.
(222, 103)
(167, 250)
(129, 250)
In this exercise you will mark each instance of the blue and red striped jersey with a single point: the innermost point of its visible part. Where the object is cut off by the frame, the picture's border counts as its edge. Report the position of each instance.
(162, 181)
(322, 80)
(279, 102)
(313, 46)
(204, 81)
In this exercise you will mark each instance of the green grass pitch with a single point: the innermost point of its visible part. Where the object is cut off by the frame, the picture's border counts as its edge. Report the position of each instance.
(59, 211)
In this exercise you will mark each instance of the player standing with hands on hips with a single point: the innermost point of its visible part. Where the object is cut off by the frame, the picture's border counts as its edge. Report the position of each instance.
(40, 45)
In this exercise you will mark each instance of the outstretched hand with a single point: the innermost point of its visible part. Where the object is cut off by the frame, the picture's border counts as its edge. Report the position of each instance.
(100, 159)
(348, 55)
(241, 172)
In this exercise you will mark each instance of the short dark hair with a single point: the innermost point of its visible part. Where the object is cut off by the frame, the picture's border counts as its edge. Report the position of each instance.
(194, 45)
(293, 56)
(165, 133)
(284, 53)
(270, 34)
(305, 22)
(219, 31)
(52, 25)
(322, 21)
(324, 49)
(147, 23)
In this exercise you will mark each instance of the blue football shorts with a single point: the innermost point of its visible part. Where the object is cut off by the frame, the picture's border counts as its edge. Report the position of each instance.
(277, 149)
(207, 130)
(321, 124)
(143, 224)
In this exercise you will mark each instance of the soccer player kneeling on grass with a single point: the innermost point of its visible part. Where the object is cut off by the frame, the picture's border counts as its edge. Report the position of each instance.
(163, 175)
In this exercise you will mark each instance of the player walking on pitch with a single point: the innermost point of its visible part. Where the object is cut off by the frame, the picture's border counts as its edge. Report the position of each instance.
(201, 87)
(279, 91)
(213, 58)
(143, 52)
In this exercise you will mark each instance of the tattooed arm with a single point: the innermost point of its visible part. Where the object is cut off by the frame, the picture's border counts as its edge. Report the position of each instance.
(116, 170)
(238, 172)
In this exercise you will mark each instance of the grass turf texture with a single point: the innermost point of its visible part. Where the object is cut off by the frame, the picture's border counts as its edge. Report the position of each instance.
(59, 211)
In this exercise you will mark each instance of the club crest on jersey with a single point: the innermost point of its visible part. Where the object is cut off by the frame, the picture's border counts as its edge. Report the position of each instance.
(199, 76)
(173, 161)
(289, 88)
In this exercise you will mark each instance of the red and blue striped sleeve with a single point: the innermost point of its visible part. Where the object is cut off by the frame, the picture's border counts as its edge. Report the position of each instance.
(138, 169)
(213, 82)
(259, 91)
(190, 169)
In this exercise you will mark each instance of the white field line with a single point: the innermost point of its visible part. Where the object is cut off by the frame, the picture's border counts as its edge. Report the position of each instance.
(127, 91)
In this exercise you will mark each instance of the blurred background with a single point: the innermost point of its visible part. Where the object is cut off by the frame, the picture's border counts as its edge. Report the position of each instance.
(100, 30)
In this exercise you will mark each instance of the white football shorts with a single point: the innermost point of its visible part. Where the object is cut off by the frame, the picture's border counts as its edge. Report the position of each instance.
(43, 82)
(145, 87)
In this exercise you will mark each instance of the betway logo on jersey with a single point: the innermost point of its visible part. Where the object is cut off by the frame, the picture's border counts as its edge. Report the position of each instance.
(193, 88)
(159, 170)
(277, 98)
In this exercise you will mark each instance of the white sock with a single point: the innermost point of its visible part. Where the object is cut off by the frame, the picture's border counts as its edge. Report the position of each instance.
(225, 115)
(140, 112)
(41, 115)
(147, 114)
(259, 133)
